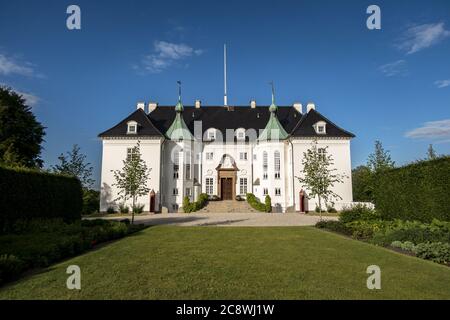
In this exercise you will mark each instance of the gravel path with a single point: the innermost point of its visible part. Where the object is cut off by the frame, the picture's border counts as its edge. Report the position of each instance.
(227, 219)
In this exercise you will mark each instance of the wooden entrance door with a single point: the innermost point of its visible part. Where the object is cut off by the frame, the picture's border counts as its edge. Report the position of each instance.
(227, 188)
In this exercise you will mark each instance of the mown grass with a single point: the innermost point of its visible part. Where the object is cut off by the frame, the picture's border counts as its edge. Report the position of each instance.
(167, 262)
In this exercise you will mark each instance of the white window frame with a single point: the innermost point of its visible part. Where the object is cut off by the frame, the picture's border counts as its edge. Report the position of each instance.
(209, 156)
(320, 125)
(243, 186)
(211, 134)
(265, 161)
(322, 153)
(209, 186)
(277, 192)
(175, 191)
(277, 164)
(243, 156)
(265, 191)
(130, 153)
(132, 125)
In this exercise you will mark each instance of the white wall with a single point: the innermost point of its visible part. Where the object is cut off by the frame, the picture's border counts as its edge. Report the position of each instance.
(340, 151)
(114, 152)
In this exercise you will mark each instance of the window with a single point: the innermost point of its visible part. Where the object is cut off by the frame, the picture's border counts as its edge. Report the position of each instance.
(277, 191)
(132, 127)
(265, 191)
(243, 156)
(254, 156)
(131, 153)
(209, 186)
(265, 176)
(175, 191)
(188, 166)
(188, 192)
(322, 152)
(321, 127)
(277, 164)
(211, 134)
(243, 186)
(265, 161)
(176, 164)
(209, 155)
(174, 207)
(240, 134)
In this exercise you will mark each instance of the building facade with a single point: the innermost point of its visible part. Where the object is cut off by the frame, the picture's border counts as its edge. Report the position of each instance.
(225, 152)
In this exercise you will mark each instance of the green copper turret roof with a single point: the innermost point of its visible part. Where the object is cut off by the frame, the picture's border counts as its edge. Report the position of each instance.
(273, 130)
(178, 130)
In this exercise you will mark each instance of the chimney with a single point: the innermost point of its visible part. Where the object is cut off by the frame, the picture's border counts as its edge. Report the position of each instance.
(197, 104)
(298, 106)
(152, 106)
(310, 106)
(140, 105)
(253, 104)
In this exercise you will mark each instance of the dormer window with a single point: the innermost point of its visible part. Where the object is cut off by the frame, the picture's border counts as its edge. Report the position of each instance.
(321, 127)
(132, 127)
(211, 134)
(240, 134)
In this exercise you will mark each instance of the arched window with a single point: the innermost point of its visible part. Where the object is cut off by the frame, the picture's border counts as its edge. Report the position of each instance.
(277, 164)
(176, 163)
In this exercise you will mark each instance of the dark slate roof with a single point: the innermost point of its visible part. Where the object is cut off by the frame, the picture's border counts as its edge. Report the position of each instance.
(305, 128)
(145, 126)
(219, 117)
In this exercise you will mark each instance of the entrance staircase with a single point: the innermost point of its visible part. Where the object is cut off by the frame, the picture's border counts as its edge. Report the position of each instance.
(226, 206)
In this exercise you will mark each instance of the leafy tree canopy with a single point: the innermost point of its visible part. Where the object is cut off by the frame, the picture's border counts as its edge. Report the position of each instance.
(380, 159)
(21, 135)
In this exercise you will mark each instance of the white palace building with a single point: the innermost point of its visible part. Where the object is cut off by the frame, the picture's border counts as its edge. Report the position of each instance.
(225, 152)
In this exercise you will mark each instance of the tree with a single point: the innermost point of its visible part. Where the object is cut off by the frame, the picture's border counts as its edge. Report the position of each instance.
(380, 159)
(21, 135)
(431, 154)
(362, 184)
(74, 164)
(132, 179)
(319, 175)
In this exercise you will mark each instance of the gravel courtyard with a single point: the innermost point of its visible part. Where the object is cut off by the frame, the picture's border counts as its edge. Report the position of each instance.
(227, 219)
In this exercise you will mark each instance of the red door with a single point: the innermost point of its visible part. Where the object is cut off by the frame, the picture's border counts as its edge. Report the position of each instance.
(152, 201)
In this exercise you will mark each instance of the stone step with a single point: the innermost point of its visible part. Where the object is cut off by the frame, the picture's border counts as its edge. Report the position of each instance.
(227, 206)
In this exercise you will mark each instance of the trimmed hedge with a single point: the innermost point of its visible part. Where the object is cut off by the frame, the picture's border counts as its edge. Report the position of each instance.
(195, 206)
(254, 202)
(28, 194)
(419, 191)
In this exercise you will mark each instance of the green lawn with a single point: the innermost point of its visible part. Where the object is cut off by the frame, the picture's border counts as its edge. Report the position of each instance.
(167, 262)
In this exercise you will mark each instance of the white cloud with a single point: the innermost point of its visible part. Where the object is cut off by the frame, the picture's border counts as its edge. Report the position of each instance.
(422, 36)
(30, 98)
(395, 68)
(9, 66)
(438, 130)
(165, 54)
(442, 83)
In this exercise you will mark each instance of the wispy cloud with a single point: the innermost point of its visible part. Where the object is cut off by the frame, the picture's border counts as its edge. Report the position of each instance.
(396, 68)
(166, 54)
(422, 36)
(442, 83)
(437, 130)
(30, 98)
(11, 66)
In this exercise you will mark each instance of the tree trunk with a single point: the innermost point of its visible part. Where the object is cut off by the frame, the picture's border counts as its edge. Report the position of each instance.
(320, 209)
(132, 210)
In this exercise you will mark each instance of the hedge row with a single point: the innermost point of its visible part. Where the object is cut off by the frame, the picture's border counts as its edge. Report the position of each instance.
(418, 191)
(195, 206)
(254, 202)
(27, 194)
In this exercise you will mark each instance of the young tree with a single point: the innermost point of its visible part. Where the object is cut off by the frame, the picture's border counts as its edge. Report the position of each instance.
(319, 176)
(132, 179)
(75, 164)
(380, 159)
(21, 134)
(431, 154)
(362, 179)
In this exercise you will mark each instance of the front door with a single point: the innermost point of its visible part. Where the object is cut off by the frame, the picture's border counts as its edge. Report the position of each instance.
(227, 188)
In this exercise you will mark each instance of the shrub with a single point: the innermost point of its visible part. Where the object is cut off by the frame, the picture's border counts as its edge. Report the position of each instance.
(213, 198)
(91, 201)
(28, 194)
(268, 203)
(255, 203)
(406, 245)
(413, 231)
(418, 191)
(435, 251)
(239, 198)
(358, 212)
(111, 210)
(123, 208)
(331, 209)
(138, 208)
(336, 226)
(195, 206)
(365, 229)
(10, 267)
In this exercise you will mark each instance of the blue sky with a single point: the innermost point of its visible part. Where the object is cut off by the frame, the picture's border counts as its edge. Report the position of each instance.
(391, 84)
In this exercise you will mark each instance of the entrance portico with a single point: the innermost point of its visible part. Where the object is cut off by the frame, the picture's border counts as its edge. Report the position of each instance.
(226, 178)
